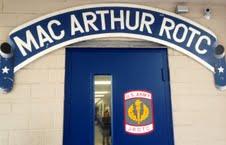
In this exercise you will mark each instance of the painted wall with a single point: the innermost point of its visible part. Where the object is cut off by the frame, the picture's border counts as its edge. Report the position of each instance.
(32, 114)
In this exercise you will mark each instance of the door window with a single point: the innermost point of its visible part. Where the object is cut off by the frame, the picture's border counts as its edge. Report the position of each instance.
(103, 109)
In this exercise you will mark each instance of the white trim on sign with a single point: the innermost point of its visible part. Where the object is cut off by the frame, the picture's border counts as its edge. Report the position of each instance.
(105, 35)
(221, 88)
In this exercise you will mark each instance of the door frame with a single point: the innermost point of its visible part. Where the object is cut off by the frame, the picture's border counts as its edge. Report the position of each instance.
(129, 43)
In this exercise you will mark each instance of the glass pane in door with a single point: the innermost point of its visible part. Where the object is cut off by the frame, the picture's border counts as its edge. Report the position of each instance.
(103, 109)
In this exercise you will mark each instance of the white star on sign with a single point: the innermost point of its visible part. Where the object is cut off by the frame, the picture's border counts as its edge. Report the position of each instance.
(221, 69)
(5, 70)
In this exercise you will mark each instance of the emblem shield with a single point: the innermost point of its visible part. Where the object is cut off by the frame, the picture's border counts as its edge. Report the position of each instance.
(138, 112)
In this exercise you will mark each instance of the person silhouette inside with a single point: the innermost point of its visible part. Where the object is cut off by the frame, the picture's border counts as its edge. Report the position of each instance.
(106, 120)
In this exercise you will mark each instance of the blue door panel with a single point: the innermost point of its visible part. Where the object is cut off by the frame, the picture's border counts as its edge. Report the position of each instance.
(131, 69)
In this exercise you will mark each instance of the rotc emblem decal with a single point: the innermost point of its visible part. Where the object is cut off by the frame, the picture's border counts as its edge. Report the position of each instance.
(139, 117)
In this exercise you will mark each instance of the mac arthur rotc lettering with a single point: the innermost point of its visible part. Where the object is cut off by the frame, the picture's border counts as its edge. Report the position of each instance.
(53, 31)
(108, 20)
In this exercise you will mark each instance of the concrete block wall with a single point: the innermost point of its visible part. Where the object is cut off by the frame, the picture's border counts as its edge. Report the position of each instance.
(32, 114)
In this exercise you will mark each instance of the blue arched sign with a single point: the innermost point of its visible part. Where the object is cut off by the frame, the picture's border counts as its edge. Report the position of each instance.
(48, 33)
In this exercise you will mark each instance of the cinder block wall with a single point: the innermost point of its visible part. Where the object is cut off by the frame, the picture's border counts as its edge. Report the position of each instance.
(33, 113)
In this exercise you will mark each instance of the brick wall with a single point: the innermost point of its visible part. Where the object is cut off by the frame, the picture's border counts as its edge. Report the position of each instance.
(32, 113)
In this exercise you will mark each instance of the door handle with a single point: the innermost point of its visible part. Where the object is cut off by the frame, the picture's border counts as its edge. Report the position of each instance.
(165, 75)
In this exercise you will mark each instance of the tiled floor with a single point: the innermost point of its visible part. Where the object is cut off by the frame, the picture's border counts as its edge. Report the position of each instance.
(98, 135)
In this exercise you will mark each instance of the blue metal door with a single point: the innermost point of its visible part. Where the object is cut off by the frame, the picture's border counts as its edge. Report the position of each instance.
(135, 72)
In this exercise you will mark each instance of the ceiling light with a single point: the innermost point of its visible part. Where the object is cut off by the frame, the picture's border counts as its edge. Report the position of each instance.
(102, 82)
(98, 96)
(101, 92)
